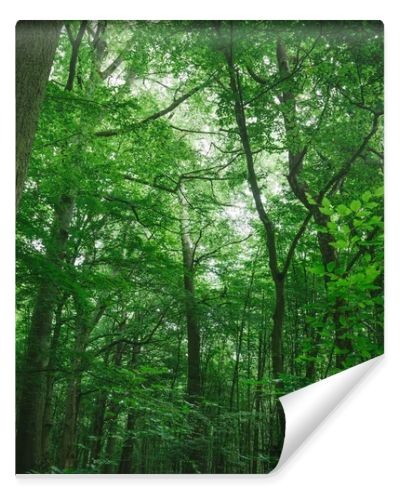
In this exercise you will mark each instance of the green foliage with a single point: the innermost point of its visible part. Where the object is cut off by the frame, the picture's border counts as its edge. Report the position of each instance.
(118, 323)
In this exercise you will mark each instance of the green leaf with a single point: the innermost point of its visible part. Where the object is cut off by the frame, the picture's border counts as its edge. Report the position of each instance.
(318, 269)
(355, 205)
(343, 210)
(325, 202)
(340, 244)
(366, 196)
(331, 266)
(326, 210)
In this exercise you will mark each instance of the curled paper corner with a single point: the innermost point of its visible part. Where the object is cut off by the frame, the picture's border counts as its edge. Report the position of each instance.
(306, 408)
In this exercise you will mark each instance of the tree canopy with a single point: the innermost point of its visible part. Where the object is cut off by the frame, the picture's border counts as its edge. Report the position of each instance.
(200, 232)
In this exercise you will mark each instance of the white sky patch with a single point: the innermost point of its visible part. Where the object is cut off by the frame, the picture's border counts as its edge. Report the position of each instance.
(79, 260)
(239, 216)
(276, 188)
(38, 245)
(266, 61)
(311, 121)
(116, 80)
(212, 278)
(183, 77)
(203, 146)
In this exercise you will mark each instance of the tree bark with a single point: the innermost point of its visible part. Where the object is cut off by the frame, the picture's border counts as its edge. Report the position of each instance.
(47, 417)
(193, 332)
(258, 396)
(296, 153)
(85, 324)
(33, 382)
(114, 411)
(36, 43)
(195, 456)
(126, 460)
(278, 276)
(98, 425)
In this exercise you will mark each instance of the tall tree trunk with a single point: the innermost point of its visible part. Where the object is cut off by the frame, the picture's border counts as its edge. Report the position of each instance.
(33, 382)
(36, 43)
(84, 326)
(47, 416)
(98, 426)
(67, 449)
(29, 451)
(258, 398)
(296, 153)
(114, 410)
(277, 275)
(247, 302)
(193, 332)
(126, 459)
(195, 456)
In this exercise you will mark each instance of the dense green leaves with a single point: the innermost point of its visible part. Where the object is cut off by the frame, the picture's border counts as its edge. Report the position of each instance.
(148, 171)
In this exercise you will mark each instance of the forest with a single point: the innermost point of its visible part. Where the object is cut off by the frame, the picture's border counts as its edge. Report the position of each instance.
(199, 231)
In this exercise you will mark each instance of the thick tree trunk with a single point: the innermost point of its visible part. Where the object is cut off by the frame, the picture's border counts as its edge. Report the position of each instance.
(98, 426)
(126, 460)
(67, 450)
(36, 43)
(33, 382)
(296, 153)
(85, 324)
(114, 411)
(195, 459)
(29, 450)
(47, 416)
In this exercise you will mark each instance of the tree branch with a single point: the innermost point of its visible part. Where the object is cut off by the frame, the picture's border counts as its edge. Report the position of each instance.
(175, 103)
(294, 243)
(74, 56)
(216, 250)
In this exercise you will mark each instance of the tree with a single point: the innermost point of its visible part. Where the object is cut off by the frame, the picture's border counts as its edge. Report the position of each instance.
(202, 232)
(36, 43)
